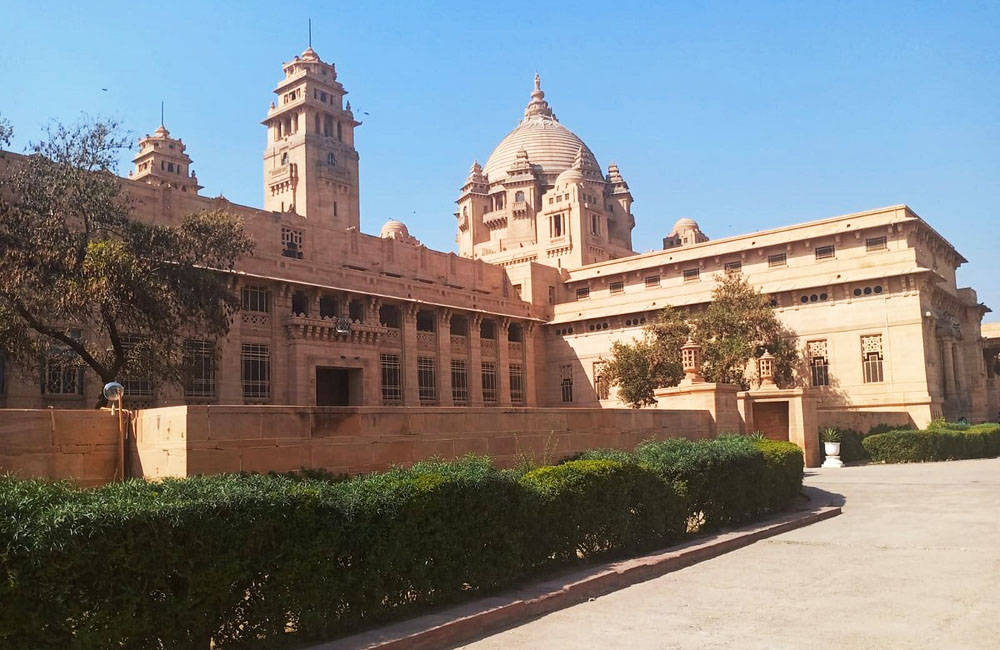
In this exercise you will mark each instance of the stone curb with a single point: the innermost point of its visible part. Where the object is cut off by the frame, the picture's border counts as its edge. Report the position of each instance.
(470, 620)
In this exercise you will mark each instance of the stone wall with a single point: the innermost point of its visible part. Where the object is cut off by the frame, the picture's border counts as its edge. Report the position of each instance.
(59, 444)
(189, 440)
(863, 420)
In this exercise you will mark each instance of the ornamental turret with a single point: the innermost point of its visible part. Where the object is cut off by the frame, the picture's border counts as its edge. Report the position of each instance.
(163, 161)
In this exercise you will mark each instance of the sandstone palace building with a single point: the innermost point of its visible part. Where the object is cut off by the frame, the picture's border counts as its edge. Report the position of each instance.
(544, 280)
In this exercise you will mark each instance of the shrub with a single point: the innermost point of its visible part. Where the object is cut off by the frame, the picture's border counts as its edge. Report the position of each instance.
(255, 561)
(941, 443)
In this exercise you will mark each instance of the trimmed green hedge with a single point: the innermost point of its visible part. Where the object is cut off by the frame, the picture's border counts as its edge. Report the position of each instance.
(271, 561)
(944, 442)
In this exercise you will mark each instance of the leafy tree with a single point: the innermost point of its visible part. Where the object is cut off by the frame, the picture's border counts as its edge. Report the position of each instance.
(733, 331)
(71, 257)
(736, 328)
(641, 367)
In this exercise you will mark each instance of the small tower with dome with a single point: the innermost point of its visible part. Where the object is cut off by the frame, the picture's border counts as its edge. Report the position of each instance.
(541, 198)
(684, 233)
(163, 161)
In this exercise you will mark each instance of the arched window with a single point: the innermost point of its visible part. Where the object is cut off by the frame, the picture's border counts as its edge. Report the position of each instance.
(331, 159)
(519, 196)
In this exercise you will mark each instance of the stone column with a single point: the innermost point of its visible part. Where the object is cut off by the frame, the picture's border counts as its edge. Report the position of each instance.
(411, 394)
(503, 361)
(475, 361)
(949, 368)
(530, 380)
(444, 358)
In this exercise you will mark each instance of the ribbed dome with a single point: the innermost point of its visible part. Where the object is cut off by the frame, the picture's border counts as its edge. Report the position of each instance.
(549, 144)
(393, 228)
(685, 223)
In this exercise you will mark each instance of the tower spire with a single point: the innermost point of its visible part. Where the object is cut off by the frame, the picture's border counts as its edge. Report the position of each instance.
(310, 32)
(538, 105)
(161, 114)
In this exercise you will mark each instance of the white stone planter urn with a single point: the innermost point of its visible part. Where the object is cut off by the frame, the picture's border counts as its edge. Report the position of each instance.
(832, 455)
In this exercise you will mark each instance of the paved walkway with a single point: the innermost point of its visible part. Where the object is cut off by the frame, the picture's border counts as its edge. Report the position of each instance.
(914, 562)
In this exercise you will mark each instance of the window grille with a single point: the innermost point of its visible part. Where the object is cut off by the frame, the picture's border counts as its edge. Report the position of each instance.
(690, 275)
(135, 382)
(489, 382)
(291, 243)
(256, 371)
(516, 383)
(776, 260)
(871, 358)
(256, 299)
(460, 381)
(60, 373)
(875, 244)
(200, 360)
(426, 380)
(819, 364)
(652, 281)
(392, 379)
(825, 252)
(733, 267)
(583, 293)
(617, 287)
(566, 382)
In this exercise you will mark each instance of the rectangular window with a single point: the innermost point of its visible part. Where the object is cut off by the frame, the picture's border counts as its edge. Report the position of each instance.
(426, 380)
(460, 381)
(291, 243)
(825, 252)
(566, 383)
(136, 382)
(595, 224)
(516, 383)
(489, 382)
(256, 371)
(552, 295)
(392, 379)
(652, 281)
(690, 275)
(819, 364)
(556, 226)
(256, 299)
(329, 307)
(733, 267)
(776, 260)
(617, 287)
(583, 293)
(875, 244)
(60, 373)
(871, 358)
(199, 356)
(517, 291)
(601, 384)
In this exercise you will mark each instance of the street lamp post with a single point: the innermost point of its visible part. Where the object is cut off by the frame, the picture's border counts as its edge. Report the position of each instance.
(114, 392)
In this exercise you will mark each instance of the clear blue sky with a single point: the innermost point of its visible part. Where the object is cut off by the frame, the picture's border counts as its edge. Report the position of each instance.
(742, 115)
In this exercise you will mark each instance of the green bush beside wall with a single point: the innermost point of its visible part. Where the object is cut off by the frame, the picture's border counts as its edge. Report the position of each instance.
(272, 561)
(943, 442)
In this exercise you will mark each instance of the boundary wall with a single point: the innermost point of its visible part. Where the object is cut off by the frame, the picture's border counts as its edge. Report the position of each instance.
(188, 440)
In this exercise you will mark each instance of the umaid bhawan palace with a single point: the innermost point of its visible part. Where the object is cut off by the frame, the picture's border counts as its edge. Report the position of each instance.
(545, 279)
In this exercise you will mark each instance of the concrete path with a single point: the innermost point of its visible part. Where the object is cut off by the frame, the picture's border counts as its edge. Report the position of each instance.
(914, 562)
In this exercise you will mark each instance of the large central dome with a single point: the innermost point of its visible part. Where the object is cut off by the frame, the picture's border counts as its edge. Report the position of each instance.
(549, 144)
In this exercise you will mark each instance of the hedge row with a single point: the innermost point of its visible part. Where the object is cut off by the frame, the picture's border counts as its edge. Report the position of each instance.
(235, 561)
(943, 442)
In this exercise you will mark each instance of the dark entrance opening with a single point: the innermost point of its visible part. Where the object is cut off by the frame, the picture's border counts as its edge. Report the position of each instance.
(333, 387)
(771, 418)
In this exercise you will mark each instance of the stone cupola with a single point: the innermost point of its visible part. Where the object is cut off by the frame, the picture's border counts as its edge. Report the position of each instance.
(163, 161)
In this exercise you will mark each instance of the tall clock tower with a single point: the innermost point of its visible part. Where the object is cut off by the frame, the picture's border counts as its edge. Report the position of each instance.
(310, 164)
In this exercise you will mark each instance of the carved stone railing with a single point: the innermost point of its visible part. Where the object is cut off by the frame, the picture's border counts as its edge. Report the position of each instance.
(459, 344)
(333, 330)
(255, 319)
(393, 336)
(488, 347)
(426, 340)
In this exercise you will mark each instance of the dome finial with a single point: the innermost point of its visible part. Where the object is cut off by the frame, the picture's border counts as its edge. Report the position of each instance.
(538, 105)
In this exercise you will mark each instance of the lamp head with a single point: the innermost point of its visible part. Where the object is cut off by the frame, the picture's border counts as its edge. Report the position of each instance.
(113, 391)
